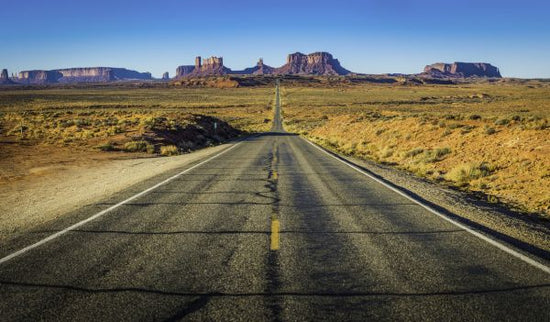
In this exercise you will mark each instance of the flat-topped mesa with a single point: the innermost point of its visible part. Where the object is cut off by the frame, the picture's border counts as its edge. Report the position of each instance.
(39, 77)
(460, 69)
(318, 63)
(211, 66)
(80, 75)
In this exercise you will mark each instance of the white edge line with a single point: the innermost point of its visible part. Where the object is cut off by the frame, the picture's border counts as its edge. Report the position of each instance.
(430, 209)
(103, 212)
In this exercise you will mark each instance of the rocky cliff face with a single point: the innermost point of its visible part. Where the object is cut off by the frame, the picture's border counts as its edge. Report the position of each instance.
(166, 76)
(184, 70)
(459, 69)
(80, 75)
(319, 63)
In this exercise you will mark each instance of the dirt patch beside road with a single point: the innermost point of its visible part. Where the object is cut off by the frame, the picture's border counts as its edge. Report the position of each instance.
(37, 185)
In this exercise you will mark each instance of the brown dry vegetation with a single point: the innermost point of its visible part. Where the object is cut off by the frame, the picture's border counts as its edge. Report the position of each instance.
(89, 122)
(492, 138)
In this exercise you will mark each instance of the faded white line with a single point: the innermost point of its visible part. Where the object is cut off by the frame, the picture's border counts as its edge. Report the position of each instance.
(103, 212)
(430, 209)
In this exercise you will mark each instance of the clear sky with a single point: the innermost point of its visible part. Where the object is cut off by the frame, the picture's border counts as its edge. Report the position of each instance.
(369, 36)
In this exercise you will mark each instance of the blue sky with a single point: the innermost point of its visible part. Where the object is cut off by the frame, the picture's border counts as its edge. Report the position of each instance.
(369, 36)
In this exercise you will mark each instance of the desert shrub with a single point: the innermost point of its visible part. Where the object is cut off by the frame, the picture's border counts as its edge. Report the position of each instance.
(414, 152)
(148, 122)
(379, 131)
(467, 172)
(169, 150)
(107, 147)
(139, 146)
(455, 125)
(492, 199)
(475, 117)
(115, 130)
(541, 125)
(467, 129)
(386, 152)
(502, 121)
(435, 154)
(489, 130)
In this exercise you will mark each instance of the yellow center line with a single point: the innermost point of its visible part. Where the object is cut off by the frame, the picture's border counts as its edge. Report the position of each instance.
(275, 175)
(274, 233)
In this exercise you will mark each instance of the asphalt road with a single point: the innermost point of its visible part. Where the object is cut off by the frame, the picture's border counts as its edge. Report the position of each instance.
(273, 229)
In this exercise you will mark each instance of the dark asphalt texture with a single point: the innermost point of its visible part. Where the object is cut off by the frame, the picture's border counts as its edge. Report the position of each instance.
(198, 248)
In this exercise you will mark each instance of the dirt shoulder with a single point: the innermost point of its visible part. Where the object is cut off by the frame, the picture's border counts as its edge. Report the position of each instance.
(38, 185)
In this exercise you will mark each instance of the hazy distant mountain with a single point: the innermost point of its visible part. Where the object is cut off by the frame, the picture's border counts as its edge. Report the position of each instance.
(80, 75)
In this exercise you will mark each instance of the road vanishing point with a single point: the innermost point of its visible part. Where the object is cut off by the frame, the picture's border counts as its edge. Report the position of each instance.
(273, 228)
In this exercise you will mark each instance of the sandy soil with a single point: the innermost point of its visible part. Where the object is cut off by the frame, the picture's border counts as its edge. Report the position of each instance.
(35, 189)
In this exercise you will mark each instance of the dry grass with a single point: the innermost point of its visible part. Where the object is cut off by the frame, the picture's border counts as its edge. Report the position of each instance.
(106, 117)
(169, 150)
(492, 138)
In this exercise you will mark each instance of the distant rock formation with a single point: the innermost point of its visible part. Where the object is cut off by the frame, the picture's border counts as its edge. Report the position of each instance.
(212, 66)
(259, 69)
(80, 75)
(39, 77)
(166, 76)
(5, 78)
(319, 63)
(459, 69)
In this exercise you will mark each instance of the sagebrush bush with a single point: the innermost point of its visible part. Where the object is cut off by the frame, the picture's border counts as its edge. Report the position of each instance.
(169, 150)
(414, 152)
(489, 130)
(107, 147)
(435, 155)
(464, 173)
(139, 146)
(502, 121)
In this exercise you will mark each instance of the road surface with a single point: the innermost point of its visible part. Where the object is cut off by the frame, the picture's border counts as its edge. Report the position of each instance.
(272, 229)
